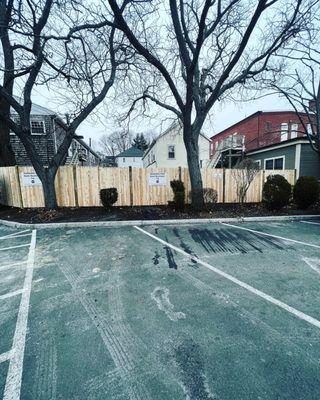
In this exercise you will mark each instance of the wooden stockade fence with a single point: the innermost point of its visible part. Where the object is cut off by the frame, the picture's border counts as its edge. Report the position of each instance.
(80, 186)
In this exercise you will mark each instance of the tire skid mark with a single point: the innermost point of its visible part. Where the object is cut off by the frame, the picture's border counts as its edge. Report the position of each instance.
(123, 360)
(45, 378)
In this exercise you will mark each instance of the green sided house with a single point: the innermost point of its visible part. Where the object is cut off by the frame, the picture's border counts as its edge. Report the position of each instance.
(293, 154)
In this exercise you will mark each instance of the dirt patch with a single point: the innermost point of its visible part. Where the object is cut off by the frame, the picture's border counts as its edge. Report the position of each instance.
(229, 210)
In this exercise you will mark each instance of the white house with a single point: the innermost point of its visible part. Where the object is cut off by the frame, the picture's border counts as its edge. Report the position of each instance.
(168, 150)
(130, 158)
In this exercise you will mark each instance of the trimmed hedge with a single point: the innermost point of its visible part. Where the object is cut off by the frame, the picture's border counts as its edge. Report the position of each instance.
(306, 191)
(178, 189)
(108, 197)
(276, 192)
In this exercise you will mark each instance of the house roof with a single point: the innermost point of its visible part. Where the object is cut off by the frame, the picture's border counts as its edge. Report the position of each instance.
(176, 124)
(289, 142)
(35, 108)
(132, 152)
(254, 115)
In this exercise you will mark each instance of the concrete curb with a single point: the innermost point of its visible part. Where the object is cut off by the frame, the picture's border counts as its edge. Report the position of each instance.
(118, 224)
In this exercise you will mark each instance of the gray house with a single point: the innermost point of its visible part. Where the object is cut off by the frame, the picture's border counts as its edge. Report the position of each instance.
(290, 154)
(47, 136)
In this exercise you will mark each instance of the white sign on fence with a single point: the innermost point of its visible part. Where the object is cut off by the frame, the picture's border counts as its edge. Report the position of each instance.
(157, 179)
(218, 175)
(30, 179)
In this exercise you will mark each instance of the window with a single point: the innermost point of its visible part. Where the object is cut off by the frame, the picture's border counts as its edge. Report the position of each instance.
(274, 163)
(267, 126)
(37, 127)
(284, 131)
(200, 162)
(309, 129)
(294, 131)
(171, 154)
(123, 160)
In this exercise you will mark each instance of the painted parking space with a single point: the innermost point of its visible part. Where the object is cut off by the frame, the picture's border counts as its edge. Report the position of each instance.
(115, 313)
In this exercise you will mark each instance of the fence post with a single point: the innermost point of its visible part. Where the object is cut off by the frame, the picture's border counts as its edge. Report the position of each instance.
(180, 174)
(19, 186)
(223, 185)
(75, 186)
(130, 186)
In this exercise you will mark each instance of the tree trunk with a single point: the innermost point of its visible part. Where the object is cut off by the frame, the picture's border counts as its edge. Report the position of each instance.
(191, 141)
(49, 191)
(7, 157)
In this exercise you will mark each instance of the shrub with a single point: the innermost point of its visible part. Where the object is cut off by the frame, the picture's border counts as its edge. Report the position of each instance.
(306, 191)
(178, 189)
(108, 197)
(276, 192)
(210, 195)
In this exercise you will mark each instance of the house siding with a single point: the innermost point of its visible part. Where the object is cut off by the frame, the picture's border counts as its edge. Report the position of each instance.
(174, 137)
(134, 162)
(45, 144)
(288, 152)
(310, 162)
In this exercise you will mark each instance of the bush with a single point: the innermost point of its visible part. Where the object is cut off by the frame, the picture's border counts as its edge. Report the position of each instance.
(276, 192)
(108, 197)
(306, 191)
(210, 195)
(178, 193)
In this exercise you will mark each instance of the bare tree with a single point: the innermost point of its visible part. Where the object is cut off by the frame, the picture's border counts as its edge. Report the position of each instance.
(200, 50)
(57, 44)
(299, 82)
(116, 142)
(243, 174)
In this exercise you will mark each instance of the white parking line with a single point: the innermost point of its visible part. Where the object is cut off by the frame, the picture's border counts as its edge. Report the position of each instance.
(8, 266)
(11, 294)
(244, 285)
(310, 222)
(15, 234)
(270, 235)
(14, 247)
(6, 356)
(14, 237)
(13, 382)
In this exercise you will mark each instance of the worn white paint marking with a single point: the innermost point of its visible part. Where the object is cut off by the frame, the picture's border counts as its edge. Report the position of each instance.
(8, 266)
(161, 296)
(314, 263)
(6, 356)
(270, 235)
(15, 237)
(244, 285)
(11, 294)
(15, 234)
(14, 247)
(13, 382)
(310, 222)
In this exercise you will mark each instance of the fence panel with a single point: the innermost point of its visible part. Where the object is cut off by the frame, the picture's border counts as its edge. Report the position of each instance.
(80, 186)
(10, 193)
(118, 178)
(146, 194)
(32, 196)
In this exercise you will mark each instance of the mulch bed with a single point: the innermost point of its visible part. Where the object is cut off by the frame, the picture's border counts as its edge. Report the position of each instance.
(38, 215)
